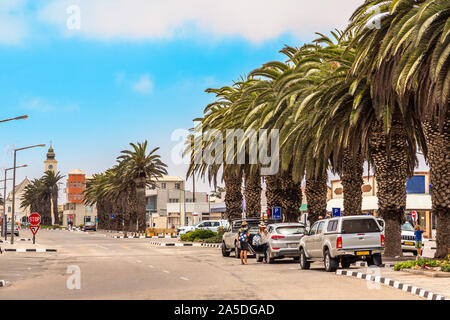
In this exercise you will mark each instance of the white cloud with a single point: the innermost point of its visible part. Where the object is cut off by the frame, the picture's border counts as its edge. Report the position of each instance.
(42, 105)
(143, 85)
(13, 25)
(255, 20)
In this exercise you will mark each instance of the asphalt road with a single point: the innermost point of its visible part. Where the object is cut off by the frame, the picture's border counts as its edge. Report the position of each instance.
(134, 269)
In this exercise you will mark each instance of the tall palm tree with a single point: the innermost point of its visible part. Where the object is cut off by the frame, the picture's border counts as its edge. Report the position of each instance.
(50, 180)
(143, 168)
(37, 196)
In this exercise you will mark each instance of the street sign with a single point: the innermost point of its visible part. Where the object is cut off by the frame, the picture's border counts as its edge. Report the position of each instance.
(34, 229)
(112, 216)
(34, 219)
(336, 212)
(276, 212)
(413, 213)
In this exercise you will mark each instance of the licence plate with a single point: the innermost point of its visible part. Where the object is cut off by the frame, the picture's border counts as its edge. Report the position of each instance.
(409, 243)
(292, 245)
(362, 253)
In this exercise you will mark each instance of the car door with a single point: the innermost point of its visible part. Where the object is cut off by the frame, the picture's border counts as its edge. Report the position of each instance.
(318, 240)
(308, 240)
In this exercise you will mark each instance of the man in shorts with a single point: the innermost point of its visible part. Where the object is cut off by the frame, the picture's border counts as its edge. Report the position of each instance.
(418, 235)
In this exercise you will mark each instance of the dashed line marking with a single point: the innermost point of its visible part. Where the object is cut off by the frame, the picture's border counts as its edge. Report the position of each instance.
(183, 278)
(102, 247)
(165, 271)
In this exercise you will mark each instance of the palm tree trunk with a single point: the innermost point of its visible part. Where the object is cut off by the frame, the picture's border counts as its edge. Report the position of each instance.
(316, 196)
(140, 204)
(291, 199)
(273, 191)
(252, 194)
(352, 171)
(233, 195)
(438, 157)
(390, 159)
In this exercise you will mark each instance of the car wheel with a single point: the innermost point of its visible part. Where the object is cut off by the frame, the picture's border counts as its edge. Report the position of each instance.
(377, 260)
(296, 259)
(237, 252)
(369, 261)
(415, 253)
(225, 253)
(304, 263)
(330, 263)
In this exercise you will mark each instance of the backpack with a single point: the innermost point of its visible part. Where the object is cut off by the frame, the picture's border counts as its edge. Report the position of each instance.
(243, 235)
(257, 240)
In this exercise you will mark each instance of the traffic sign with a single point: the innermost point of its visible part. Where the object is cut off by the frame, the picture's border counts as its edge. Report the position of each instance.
(34, 229)
(112, 216)
(413, 213)
(34, 219)
(336, 212)
(276, 212)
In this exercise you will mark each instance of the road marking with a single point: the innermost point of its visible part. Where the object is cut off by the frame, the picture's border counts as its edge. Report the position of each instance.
(138, 261)
(183, 278)
(165, 271)
(125, 247)
(83, 249)
(151, 266)
(102, 247)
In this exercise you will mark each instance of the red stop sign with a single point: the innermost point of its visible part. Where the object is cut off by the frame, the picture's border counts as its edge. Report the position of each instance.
(414, 214)
(34, 219)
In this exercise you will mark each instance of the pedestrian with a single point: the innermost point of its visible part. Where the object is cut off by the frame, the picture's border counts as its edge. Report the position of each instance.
(243, 236)
(418, 234)
(264, 235)
(320, 217)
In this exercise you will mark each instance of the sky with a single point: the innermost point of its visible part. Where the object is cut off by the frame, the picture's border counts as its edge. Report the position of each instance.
(95, 75)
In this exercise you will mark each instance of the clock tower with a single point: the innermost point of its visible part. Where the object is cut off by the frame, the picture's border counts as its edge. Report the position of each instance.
(50, 163)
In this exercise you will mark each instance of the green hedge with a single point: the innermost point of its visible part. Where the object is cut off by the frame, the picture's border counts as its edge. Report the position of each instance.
(197, 235)
(444, 264)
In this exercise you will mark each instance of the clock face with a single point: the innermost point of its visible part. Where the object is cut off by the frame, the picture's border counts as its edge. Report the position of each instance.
(50, 166)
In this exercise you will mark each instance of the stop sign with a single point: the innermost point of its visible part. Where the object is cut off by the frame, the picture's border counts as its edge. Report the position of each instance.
(413, 214)
(34, 219)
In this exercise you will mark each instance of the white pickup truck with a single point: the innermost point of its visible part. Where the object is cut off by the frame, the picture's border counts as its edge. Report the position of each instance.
(342, 240)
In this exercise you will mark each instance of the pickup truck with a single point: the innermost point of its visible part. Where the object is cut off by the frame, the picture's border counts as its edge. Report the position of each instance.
(342, 240)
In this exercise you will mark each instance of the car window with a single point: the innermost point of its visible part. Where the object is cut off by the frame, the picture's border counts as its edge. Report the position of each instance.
(332, 225)
(287, 230)
(320, 227)
(407, 227)
(313, 230)
(216, 224)
(206, 224)
(359, 226)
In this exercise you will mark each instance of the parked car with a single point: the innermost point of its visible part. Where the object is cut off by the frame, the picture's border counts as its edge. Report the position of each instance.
(343, 240)
(229, 238)
(90, 226)
(212, 225)
(408, 238)
(16, 229)
(284, 241)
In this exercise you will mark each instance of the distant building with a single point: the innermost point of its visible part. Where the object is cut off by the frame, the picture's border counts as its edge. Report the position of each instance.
(20, 213)
(50, 164)
(418, 198)
(74, 208)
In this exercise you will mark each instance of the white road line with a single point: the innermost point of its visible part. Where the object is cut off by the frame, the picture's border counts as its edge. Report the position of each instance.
(102, 247)
(183, 278)
(165, 271)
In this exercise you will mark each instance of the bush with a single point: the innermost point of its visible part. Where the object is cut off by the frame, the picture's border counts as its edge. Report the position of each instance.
(215, 239)
(443, 264)
(197, 235)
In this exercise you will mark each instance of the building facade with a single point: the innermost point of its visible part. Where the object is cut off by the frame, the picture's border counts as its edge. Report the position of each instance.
(20, 213)
(74, 208)
(50, 164)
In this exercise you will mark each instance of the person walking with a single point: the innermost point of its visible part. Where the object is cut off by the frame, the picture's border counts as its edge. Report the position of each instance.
(264, 235)
(418, 234)
(243, 236)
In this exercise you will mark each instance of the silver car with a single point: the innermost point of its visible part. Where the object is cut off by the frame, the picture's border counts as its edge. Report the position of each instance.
(16, 229)
(342, 240)
(408, 238)
(284, 241)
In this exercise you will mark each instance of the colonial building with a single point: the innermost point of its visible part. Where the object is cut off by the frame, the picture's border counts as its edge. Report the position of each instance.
(20, 213)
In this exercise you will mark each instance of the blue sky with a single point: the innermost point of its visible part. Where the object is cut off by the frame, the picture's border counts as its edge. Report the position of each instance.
(135, 70)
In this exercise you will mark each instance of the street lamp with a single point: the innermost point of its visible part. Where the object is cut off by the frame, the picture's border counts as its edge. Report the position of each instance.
(16, 118)
(14, 188)
(5, 225)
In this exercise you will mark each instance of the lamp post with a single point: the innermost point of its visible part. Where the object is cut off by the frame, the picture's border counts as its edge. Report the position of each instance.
(16, 118)
(4, 224)
(14, 187)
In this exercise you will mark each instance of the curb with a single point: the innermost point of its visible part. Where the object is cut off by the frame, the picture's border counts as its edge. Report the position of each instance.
(392, 283)
(364, 264)
(2, 283)
(189, 244)
(123, 237)
(30, 250)
(164, 237)
(23, 239)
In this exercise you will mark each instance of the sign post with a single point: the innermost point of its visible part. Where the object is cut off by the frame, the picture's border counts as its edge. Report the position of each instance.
(35, 221)
(276, 213)
(336, 212)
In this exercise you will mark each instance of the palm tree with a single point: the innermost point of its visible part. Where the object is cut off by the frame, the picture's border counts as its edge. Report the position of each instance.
(50, 180)
(37, 196)
(143, 169)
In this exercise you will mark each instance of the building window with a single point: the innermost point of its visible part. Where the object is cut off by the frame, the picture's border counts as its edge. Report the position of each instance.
(174, 200)
(177, 185)
(163, 185)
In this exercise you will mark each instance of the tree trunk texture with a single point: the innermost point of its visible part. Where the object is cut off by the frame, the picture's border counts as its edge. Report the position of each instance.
(141, 204)
(438, 144)
(291, 198)
(273, 191)
(391, 171)
(352, 181)
(252, 195)
(316, 197)
(233, 195)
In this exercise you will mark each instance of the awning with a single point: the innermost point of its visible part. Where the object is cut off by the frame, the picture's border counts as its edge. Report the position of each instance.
(413, 202)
